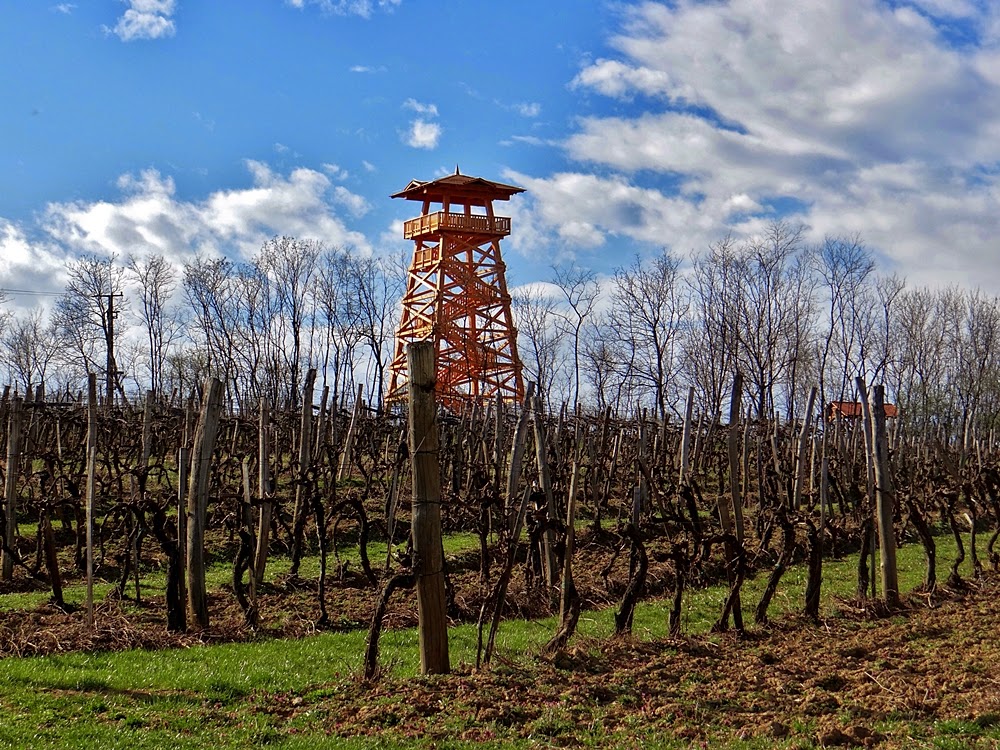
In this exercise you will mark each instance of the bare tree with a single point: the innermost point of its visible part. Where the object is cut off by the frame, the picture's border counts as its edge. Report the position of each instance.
(210, 290)
(580, 289)
(28, 345)
(156, 282)
(768, 290)
(291, 265)
(378, 285)
(540, 336)
(86, 316)
(647, 310)
(711, 347)
(339, 319)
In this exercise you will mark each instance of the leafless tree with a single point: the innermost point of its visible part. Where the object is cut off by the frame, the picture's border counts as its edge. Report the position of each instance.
(28, 344)
(339, 320)
(87, 316)
(156, 281)
(210, 290)
(711, 346)
(647, 310)
(291, 265)
(378, 285)
(580, 290)
(540, 336)
(770, 293)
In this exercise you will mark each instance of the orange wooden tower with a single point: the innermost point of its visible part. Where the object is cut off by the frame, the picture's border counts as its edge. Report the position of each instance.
(456, 292)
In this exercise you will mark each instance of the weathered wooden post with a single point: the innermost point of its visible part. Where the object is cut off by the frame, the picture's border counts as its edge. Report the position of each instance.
(868, 430)
(545, 480)
(302, 488)
(352, 432)
(733, 449)
(197, 500)
(10, 487)
(263, 492)
(884, 498)
(685, 459)
(800, 454)
(91, 489)
(517, 452)
(428, 555)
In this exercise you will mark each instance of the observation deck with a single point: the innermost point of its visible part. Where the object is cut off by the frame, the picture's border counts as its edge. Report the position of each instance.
(429, 225)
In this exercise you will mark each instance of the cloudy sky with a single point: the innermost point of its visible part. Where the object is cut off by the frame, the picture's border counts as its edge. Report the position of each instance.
(184, 126)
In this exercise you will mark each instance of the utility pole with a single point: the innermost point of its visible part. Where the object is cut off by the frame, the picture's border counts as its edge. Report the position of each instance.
(111, 381)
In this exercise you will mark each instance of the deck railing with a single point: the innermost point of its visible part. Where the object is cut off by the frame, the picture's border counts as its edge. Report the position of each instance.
(476, 223)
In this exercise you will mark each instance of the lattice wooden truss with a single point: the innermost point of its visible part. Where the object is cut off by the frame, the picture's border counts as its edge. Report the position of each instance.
(456, 292)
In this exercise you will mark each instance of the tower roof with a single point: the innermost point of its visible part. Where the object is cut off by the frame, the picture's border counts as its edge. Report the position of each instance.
(458, 187)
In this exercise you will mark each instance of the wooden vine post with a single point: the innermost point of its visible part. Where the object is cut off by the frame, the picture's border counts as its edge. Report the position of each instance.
(884, 498)
(197, 501)
(800, 454)
(733, 451)
(263, 492)
(10, 488)
(91, 489)
(428, 555)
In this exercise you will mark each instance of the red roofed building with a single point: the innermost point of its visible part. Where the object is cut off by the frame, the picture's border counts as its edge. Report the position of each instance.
(853, 410)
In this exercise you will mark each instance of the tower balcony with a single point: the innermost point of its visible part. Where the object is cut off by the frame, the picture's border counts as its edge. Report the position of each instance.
(431, 224)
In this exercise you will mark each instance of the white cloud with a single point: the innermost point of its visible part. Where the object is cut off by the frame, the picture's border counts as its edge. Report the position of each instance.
(355, 204)
(429, 110)
(368, 69)
(146, 19)
(423, 134)
(363, 8)
(149, 218)
(64, 8)
(860, 113)
(28, 265)
(528, 109)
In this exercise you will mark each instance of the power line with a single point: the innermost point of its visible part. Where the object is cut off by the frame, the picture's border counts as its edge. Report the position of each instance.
(32, 292)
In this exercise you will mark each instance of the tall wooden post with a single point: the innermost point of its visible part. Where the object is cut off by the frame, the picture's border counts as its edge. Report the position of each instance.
(302, 489)
(686, 437)
(197, 501)
(91, 489)
(800, 455)
(10, 488)
(263, 491)
(884, 498)
(545, 480)
(733, 449)
(428, 555)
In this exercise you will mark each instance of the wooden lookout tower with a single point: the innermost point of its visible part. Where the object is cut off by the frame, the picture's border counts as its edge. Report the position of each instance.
(456, 292)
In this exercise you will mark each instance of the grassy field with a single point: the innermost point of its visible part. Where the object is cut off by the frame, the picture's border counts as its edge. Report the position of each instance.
(229, 696)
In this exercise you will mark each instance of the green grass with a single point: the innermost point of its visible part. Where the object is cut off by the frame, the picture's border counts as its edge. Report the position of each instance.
(212, 694)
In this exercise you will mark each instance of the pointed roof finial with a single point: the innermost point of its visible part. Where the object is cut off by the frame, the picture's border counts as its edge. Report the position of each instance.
(456, 169)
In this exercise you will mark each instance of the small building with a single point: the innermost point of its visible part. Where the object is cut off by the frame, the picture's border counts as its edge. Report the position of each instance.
(852, 410)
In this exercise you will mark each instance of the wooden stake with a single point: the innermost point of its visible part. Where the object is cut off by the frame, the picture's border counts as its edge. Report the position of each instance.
(428, 555)
(733, 447)
(91, 489)
(263, 491)
(197, 501)
(10, 488)
(800, 460)
(884, 498)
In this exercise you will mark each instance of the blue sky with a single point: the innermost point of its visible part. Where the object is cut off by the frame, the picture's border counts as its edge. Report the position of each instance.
(184, 126)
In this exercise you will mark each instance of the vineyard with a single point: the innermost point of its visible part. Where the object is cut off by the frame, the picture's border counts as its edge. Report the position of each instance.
(188, 524)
